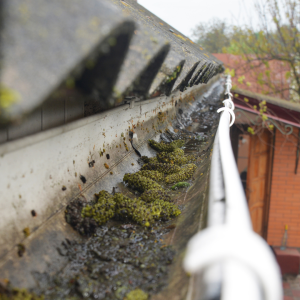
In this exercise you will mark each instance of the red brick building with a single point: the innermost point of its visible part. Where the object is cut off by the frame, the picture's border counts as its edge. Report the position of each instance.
(285, 192)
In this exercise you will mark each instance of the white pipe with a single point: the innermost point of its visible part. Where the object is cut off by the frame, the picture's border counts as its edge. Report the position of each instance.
(247, 267)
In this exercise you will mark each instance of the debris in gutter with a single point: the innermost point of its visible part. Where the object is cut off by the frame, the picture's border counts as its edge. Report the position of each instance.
(21, 250)
(82, 178)
(26, 232)
(91, 163)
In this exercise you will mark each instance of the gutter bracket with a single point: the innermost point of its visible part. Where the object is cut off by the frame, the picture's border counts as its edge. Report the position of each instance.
(130, 101)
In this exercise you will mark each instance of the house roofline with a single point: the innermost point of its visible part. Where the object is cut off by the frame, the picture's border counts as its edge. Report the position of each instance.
(269, 99)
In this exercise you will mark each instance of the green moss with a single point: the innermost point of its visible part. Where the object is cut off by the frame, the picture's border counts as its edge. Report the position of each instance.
(143, 214)
(102, 210)
(163, 210)
(186, 172)
(154, 203)
(176, 157)
(140, 183)
(164, 147)
(174, 75)
(180, 185)
(124, 206)
(155, 194)
(162, 168)
(19, 294)
(103, 195)
(8, 97)
(154, 175)
(136, 294)
(147, 159)
(134, 209)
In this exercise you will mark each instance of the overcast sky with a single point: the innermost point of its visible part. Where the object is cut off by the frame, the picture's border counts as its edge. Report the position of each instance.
(184, 15)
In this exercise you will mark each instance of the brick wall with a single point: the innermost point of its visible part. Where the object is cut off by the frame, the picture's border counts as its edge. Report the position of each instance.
(285, 192)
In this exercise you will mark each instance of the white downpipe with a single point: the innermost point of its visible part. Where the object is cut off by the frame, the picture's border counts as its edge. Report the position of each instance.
(247, 267)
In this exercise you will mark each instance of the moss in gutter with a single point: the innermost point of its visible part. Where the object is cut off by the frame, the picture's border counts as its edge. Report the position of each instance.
(162, 168)
(147, 159)
(8, 97)
(154, 175)
(176, 157)
(180, 185)
(140, 183)
(156, 194)
(18, 294)
(137, 294)
(164, 147)
(174, 75)
(186, 172)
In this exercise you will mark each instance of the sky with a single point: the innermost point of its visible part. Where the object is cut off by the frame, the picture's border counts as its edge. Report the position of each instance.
(184, 15)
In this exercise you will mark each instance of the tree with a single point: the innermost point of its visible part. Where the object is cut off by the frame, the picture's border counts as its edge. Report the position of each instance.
(213, 36)
(277, 40)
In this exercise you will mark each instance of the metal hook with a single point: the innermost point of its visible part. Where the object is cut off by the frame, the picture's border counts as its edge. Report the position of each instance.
(231, 113)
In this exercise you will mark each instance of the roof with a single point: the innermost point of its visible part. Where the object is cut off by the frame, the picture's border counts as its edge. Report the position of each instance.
(115, 47)
(277, 109)
(256, 79)
(269, 99)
